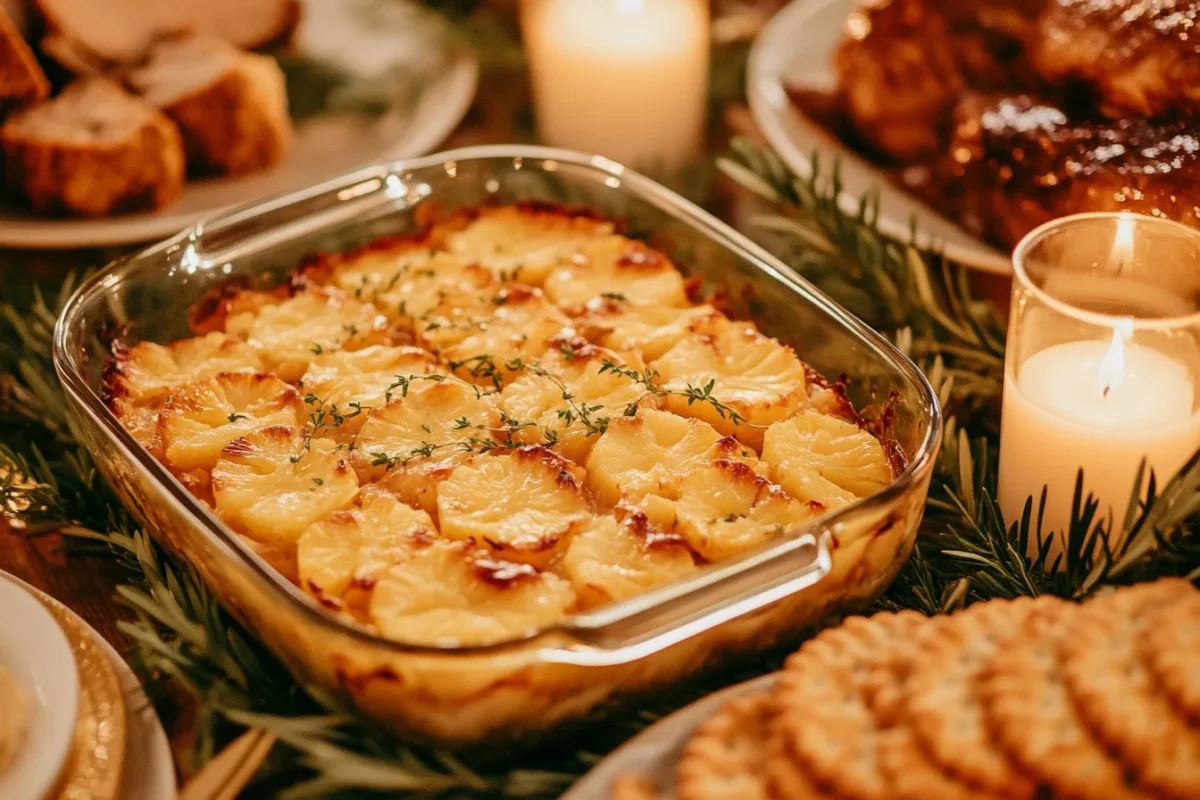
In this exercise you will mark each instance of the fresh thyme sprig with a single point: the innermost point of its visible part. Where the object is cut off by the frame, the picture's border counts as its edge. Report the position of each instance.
(324, 417)
(648, 379)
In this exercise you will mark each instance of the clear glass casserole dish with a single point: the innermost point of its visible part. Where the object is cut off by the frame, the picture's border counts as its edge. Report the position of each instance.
(460, 695)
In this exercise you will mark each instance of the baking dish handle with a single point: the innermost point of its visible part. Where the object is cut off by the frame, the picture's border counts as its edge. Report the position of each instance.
(659, 619)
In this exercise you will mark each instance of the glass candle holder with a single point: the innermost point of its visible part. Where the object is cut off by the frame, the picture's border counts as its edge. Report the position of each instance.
(624, 79)
(1102, 368)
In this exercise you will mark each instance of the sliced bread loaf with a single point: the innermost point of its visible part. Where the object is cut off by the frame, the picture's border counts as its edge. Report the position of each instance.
(230, 105)
(21, 77)
(92, 150)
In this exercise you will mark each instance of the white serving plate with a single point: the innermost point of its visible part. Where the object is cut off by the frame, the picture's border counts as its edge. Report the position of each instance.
(365, 37)
(149, 770)
(36, 651)
(654, 752)
(796, 48)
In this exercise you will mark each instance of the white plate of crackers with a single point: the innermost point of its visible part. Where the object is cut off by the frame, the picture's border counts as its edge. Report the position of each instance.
(1027, 698)
(143, 128)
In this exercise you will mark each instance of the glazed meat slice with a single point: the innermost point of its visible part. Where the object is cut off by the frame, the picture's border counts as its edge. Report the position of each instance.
(1022, 162)
(902, 65)
(899, 78)
(990, 39)
(1140, 57)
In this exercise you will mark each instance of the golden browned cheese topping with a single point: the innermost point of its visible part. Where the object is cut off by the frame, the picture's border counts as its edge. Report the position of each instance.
(467, 435)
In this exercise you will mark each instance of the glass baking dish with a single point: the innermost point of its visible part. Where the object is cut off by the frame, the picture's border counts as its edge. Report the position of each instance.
(460, 695)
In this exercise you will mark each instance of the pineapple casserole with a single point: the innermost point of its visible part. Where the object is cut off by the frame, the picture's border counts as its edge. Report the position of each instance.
(466, 435)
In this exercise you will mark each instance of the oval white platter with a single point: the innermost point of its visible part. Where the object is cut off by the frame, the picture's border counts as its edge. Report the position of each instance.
(796, 49)
(384, 42)
(37, 654)
(654, 752)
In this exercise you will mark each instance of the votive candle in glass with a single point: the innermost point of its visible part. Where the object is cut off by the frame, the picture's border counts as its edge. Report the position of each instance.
(1102, 368)
(625, 79)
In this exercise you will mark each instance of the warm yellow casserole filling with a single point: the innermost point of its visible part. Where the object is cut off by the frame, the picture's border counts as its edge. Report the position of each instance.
(471, 433)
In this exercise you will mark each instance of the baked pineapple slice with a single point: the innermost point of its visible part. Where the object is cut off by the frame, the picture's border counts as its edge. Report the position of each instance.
(522, 243)
(141, 422)
(452, 593)
(617, 268)
(201, 418)
(649, 330)
(274, 483)
(280, 557)
(649, 454)
(725, 508)
(146, 373)
(447, 419)
(731, 369)
(198, 482)
(522, 504)
(518, 329)
(213, 311)
(340, 558)
(610, 560)
(598, 393)
(376, 264)
(826, 460)
(409, 284)
(343, 386)
(313, 322)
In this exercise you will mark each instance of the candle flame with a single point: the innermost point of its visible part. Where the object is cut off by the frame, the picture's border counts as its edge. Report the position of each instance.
(1122, 249)
(630, 8)
(1112, 367)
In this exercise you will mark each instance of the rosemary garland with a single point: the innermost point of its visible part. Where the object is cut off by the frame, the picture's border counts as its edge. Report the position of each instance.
(183, 639)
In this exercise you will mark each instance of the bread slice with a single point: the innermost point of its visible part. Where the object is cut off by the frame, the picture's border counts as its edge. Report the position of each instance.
(22, 80)
(92, 150)
(230, 105)
(119, 32)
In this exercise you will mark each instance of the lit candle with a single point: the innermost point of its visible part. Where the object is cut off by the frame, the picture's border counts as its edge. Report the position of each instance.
(626, 79)
(1096, 405)
(1101, 366)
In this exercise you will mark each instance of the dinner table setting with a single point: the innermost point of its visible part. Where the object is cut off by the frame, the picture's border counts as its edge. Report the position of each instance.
(599, 399)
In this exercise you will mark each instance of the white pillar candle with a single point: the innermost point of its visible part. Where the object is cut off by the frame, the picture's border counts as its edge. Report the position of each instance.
(626, 79)
(1098, 405)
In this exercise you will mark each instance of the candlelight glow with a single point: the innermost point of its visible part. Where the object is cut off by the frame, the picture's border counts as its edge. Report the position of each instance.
(1122, 249)
(1112, 368)
(630, 8)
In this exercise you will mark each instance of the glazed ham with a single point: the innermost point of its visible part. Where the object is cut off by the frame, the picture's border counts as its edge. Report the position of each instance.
(1022, 161)
(903, 64)
(1140, 57)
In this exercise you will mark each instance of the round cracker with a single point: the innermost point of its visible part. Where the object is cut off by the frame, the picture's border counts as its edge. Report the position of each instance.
(726, 757)
(1171, 648)
(1117, 696)
(834, 701)
(1031, 717)
(786, 777)
(941, 704)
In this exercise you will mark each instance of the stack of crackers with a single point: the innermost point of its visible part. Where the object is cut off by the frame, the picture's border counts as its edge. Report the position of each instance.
(1028, 698)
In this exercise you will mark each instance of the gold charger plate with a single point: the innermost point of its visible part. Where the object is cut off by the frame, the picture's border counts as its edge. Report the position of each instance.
(93, 769)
